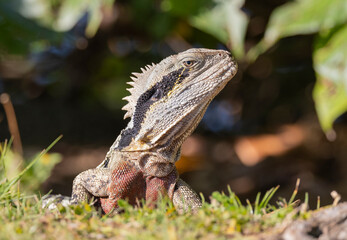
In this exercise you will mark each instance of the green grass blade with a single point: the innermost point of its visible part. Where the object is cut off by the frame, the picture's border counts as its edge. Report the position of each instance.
(295, 192)
(306, 198)
(318, 202)
(250, 208)
(4, 149)
(267, 197)
(38, 157)
(256, 204)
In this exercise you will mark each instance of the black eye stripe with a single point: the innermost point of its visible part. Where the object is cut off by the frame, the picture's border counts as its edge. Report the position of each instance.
(156, 95)
(145, 101)
(145, 96)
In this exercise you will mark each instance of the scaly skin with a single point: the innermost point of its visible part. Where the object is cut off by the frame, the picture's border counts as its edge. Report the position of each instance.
(166, 104)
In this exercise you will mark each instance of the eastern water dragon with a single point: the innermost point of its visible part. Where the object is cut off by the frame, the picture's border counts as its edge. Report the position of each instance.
(166, 102)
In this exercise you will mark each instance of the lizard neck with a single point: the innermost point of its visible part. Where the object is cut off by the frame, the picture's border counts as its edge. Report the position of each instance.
(170, 151)
(157, 161)
(166, 150)
(130, 142)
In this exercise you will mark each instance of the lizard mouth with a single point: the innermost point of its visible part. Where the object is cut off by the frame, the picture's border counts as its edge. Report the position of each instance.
(212, 83)
(224, 72)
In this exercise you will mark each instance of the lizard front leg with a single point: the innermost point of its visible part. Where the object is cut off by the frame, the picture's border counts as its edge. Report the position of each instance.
(184, 197)
(128, 182)
(92, 182)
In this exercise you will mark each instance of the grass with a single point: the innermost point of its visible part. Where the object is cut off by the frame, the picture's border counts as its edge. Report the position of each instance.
(6, 184)
(22, 217)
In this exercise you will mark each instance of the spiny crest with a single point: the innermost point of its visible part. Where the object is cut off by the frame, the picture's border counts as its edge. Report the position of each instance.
(138, 84)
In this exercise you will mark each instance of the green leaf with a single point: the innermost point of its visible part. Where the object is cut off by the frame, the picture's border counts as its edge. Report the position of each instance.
(305, 17)
(95, 18)
(301, 17)
(183, 8)
(69, 13)
(330, 64)
(330, 61)
(17, 32)
(226, 22)
(72, 10)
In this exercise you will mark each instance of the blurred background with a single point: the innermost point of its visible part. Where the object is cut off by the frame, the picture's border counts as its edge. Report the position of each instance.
(64, 67)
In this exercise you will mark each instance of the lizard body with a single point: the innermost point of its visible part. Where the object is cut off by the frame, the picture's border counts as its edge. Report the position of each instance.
(166, 103)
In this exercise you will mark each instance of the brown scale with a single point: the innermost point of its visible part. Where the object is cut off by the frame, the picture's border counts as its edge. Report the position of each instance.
(128, 182)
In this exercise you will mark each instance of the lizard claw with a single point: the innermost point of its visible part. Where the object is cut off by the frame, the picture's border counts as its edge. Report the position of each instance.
(50, 201)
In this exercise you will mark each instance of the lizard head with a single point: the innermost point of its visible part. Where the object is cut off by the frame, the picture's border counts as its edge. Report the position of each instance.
(169, 99)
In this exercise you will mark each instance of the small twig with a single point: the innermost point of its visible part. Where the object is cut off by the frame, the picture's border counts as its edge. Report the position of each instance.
(12, 122)
(336, 197)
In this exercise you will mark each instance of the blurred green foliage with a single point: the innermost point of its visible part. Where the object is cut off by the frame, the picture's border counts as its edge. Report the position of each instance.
(31, 175)
(327, 19)
(34, 26)
(330, 63)
(18, 32)
(226, 22)
(25, 23)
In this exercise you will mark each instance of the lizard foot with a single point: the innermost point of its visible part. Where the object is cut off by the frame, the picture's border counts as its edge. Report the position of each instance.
(50, 201)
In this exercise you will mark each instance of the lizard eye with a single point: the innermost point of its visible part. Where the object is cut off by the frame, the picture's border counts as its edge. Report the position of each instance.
(188, 63)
